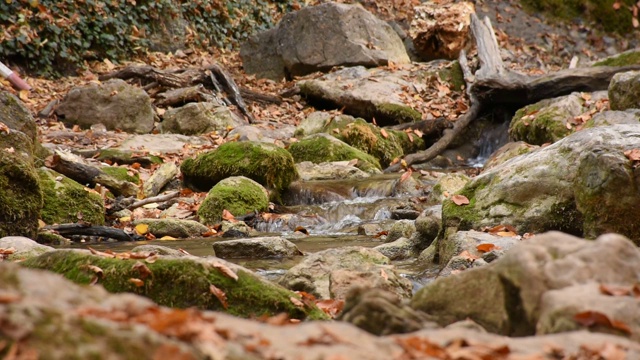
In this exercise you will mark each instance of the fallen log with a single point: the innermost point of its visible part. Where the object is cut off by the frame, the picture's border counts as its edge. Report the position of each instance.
(161, 177)
(89, 230)
(494, 86)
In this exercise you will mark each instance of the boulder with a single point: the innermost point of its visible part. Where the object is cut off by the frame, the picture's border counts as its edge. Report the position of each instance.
(441, 30)
(265, 132)
(331, 273)
(116, 104)
(624, 91)
(313, 123)
(161, 143)
(177, 228)
(180, 282)
(506, 296)
(329, 171)
(16, 116)
(468, 241)
(447, 185)
(399, 249)
(582, 184)
(320, 148)
(320, 37)
(506, 152)
(256, 248)
(199, 118)
(267, 164)
(401, 228)
(428, 226)
(66, 201)
(613, 117)
(353, 90)
(237, 194)
(23, 247)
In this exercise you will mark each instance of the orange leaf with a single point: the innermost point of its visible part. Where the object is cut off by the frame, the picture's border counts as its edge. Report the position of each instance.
(406, 175)
(220, 295)
(226, 215)
(460, 200)
(302, 230)
(136, 282)
(384, 134)
(615, 290)
(296, 302)
(467, 255)
(330, 307)
(487, 247)
(633, 154)
(224, 270)
(593, 318)
(144, 271)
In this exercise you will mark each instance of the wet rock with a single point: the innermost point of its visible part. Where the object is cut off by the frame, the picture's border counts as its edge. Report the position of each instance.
(321, 148)
(408, 187)
(238, 195)
(334, 271)
(320, 37)
(381, 312)
(157, 249)
(401, 228)
(161, 143)
(461, 241)
(441, 31)
(582, 184)
(399, 249)
(506, 152)
(66, 201)
(24, 247)
(353, 90)
(428, 226)
(624, 91)
(267, 164)
(559, 308)
(336, 170)
(177, 228)
(256, 248)
(237, 229)
(180, 282)
(506, 296)
(114, 103)
(369, 229)
(448, 184)
(199, 118)
(405, 212)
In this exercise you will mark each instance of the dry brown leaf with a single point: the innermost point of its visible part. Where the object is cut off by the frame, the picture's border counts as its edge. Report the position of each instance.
(487, 247)
(101, 253)
(136, 282)
(384, 134)
(593, 318)
(467, 255)
(460, 200)
(301, 229)
(406, 175)
(220, 295)
(616, 290)
(144, 271)
(384, 275)
(224, 270)
(151, 259)
(227, 215)
(633, 154)
(7, 298)
(331, 307)
(296, 302)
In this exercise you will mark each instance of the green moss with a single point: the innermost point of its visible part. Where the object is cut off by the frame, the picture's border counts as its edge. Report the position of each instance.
(237, 195)
(601, 12)
(20, 196)
(180, 283)
(624, 59)
(453, 75)
(267, 164)
(398, 113)
(64, 200)
(546, 125)
(120, 173)
(318, 149)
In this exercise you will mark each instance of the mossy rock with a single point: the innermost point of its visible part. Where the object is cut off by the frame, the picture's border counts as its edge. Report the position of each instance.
(321, 148)
(180, 282)
(538, 124)
(265, 163)
(396, 113)
(177, 228)
(601, 12)
(16, 116)
(369, 138)
(121, 173)
(631, 57)
(238, 194)
(66, 201)
(453, 75)
(20, 195)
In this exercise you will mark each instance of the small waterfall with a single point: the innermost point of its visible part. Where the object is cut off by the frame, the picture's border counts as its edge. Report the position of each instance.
(493, 137)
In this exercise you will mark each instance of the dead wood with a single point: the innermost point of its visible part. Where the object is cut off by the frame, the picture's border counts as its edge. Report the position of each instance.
(493, 85)
(73, 167)
(89, 230)
(161, 177)
(154, 199)
(181, 96)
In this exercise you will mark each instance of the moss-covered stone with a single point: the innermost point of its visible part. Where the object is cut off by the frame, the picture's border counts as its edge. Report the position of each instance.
(238, 194)
(265, 163)
(20, 195)
(66, 201)
(121, 173)
(601, 12)
(631, 57)
(321, 148)
(181, 283)
(16, 116)
(398, 113)
(538, 124)
(453, 75)
(177, 228)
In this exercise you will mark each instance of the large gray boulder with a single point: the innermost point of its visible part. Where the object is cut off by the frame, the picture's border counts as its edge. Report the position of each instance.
(583, 184)
(199, 118)
(256, 248)
(507, 295)
(115, 104)
(320, 37)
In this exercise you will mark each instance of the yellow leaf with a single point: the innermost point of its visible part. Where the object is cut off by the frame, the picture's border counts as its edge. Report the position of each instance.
(142, 229)
(23, 95)
(125, 219)
(167, 238)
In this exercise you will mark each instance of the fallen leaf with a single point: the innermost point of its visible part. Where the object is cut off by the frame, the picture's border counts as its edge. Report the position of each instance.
(331, 307)
(384, 275)
(616, 290)
(144, 271)
(297, 302)
(151, 259)
(142, 229)
(384, 134)
(23, 95)
(7, 298)
(633, 154)
(226, 215)
(224, 270)
(593, 318)
(467, 255)
(167, 238)
(220, 295)
(302, 230)
(460, 200)
(487, 247)
(136, 282)
(406, 175)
